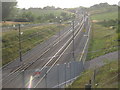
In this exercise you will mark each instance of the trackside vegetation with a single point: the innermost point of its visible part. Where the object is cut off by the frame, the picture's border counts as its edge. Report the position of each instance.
(106, 77)
(104, 39)
(105, 30)
(49, 16)
(29, 39)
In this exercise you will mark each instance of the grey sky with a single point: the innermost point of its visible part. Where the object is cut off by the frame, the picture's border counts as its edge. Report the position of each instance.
(62, 3)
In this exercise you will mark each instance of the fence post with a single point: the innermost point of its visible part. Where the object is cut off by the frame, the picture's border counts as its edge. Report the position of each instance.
(65, 75)
(88, 86)
(94, 77)
(46, 77)
(58, 73)
(23, 79)
(70, 73)
(73, 69)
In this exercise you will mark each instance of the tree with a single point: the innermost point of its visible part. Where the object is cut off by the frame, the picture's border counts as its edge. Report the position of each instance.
(25, 17)
(7, 8)
(51, 16)
(49, 8)
(28, 16)
(63, 14)
(39, 18)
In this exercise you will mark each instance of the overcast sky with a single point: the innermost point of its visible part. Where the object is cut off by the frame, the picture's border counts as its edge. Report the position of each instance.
(62, 3)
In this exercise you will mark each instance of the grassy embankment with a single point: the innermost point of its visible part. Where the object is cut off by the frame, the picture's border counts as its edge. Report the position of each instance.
(104, 37)
(106, 77)
(30, 38)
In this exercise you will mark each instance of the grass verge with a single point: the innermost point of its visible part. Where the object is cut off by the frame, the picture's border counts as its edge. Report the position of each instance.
(105, 16)
(104, 36)
(29, 39)
(103, 41)
(106, 77)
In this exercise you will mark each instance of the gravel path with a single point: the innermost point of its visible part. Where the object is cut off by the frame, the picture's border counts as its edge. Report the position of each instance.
(100, 61)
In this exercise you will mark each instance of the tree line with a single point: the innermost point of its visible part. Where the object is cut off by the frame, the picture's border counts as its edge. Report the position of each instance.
(11, 13)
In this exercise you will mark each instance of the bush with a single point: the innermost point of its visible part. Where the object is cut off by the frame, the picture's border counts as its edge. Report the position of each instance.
(21, 20)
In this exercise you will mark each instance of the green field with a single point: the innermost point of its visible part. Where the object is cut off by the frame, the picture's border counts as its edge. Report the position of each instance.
(106, 77)
(103, 11)
(103, 41)
(30, 38)
(105, 16)
(104, 36)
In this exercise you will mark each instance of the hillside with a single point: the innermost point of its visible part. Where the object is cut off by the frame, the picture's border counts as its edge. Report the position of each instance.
(105, 31)
(102, 8)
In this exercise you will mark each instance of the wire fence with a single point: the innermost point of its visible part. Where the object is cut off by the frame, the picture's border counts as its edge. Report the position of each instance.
(59, 76)
(98, 81)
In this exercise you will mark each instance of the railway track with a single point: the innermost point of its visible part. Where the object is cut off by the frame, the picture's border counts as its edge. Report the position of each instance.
(53, 63)
(57, 56)
(17, 71)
